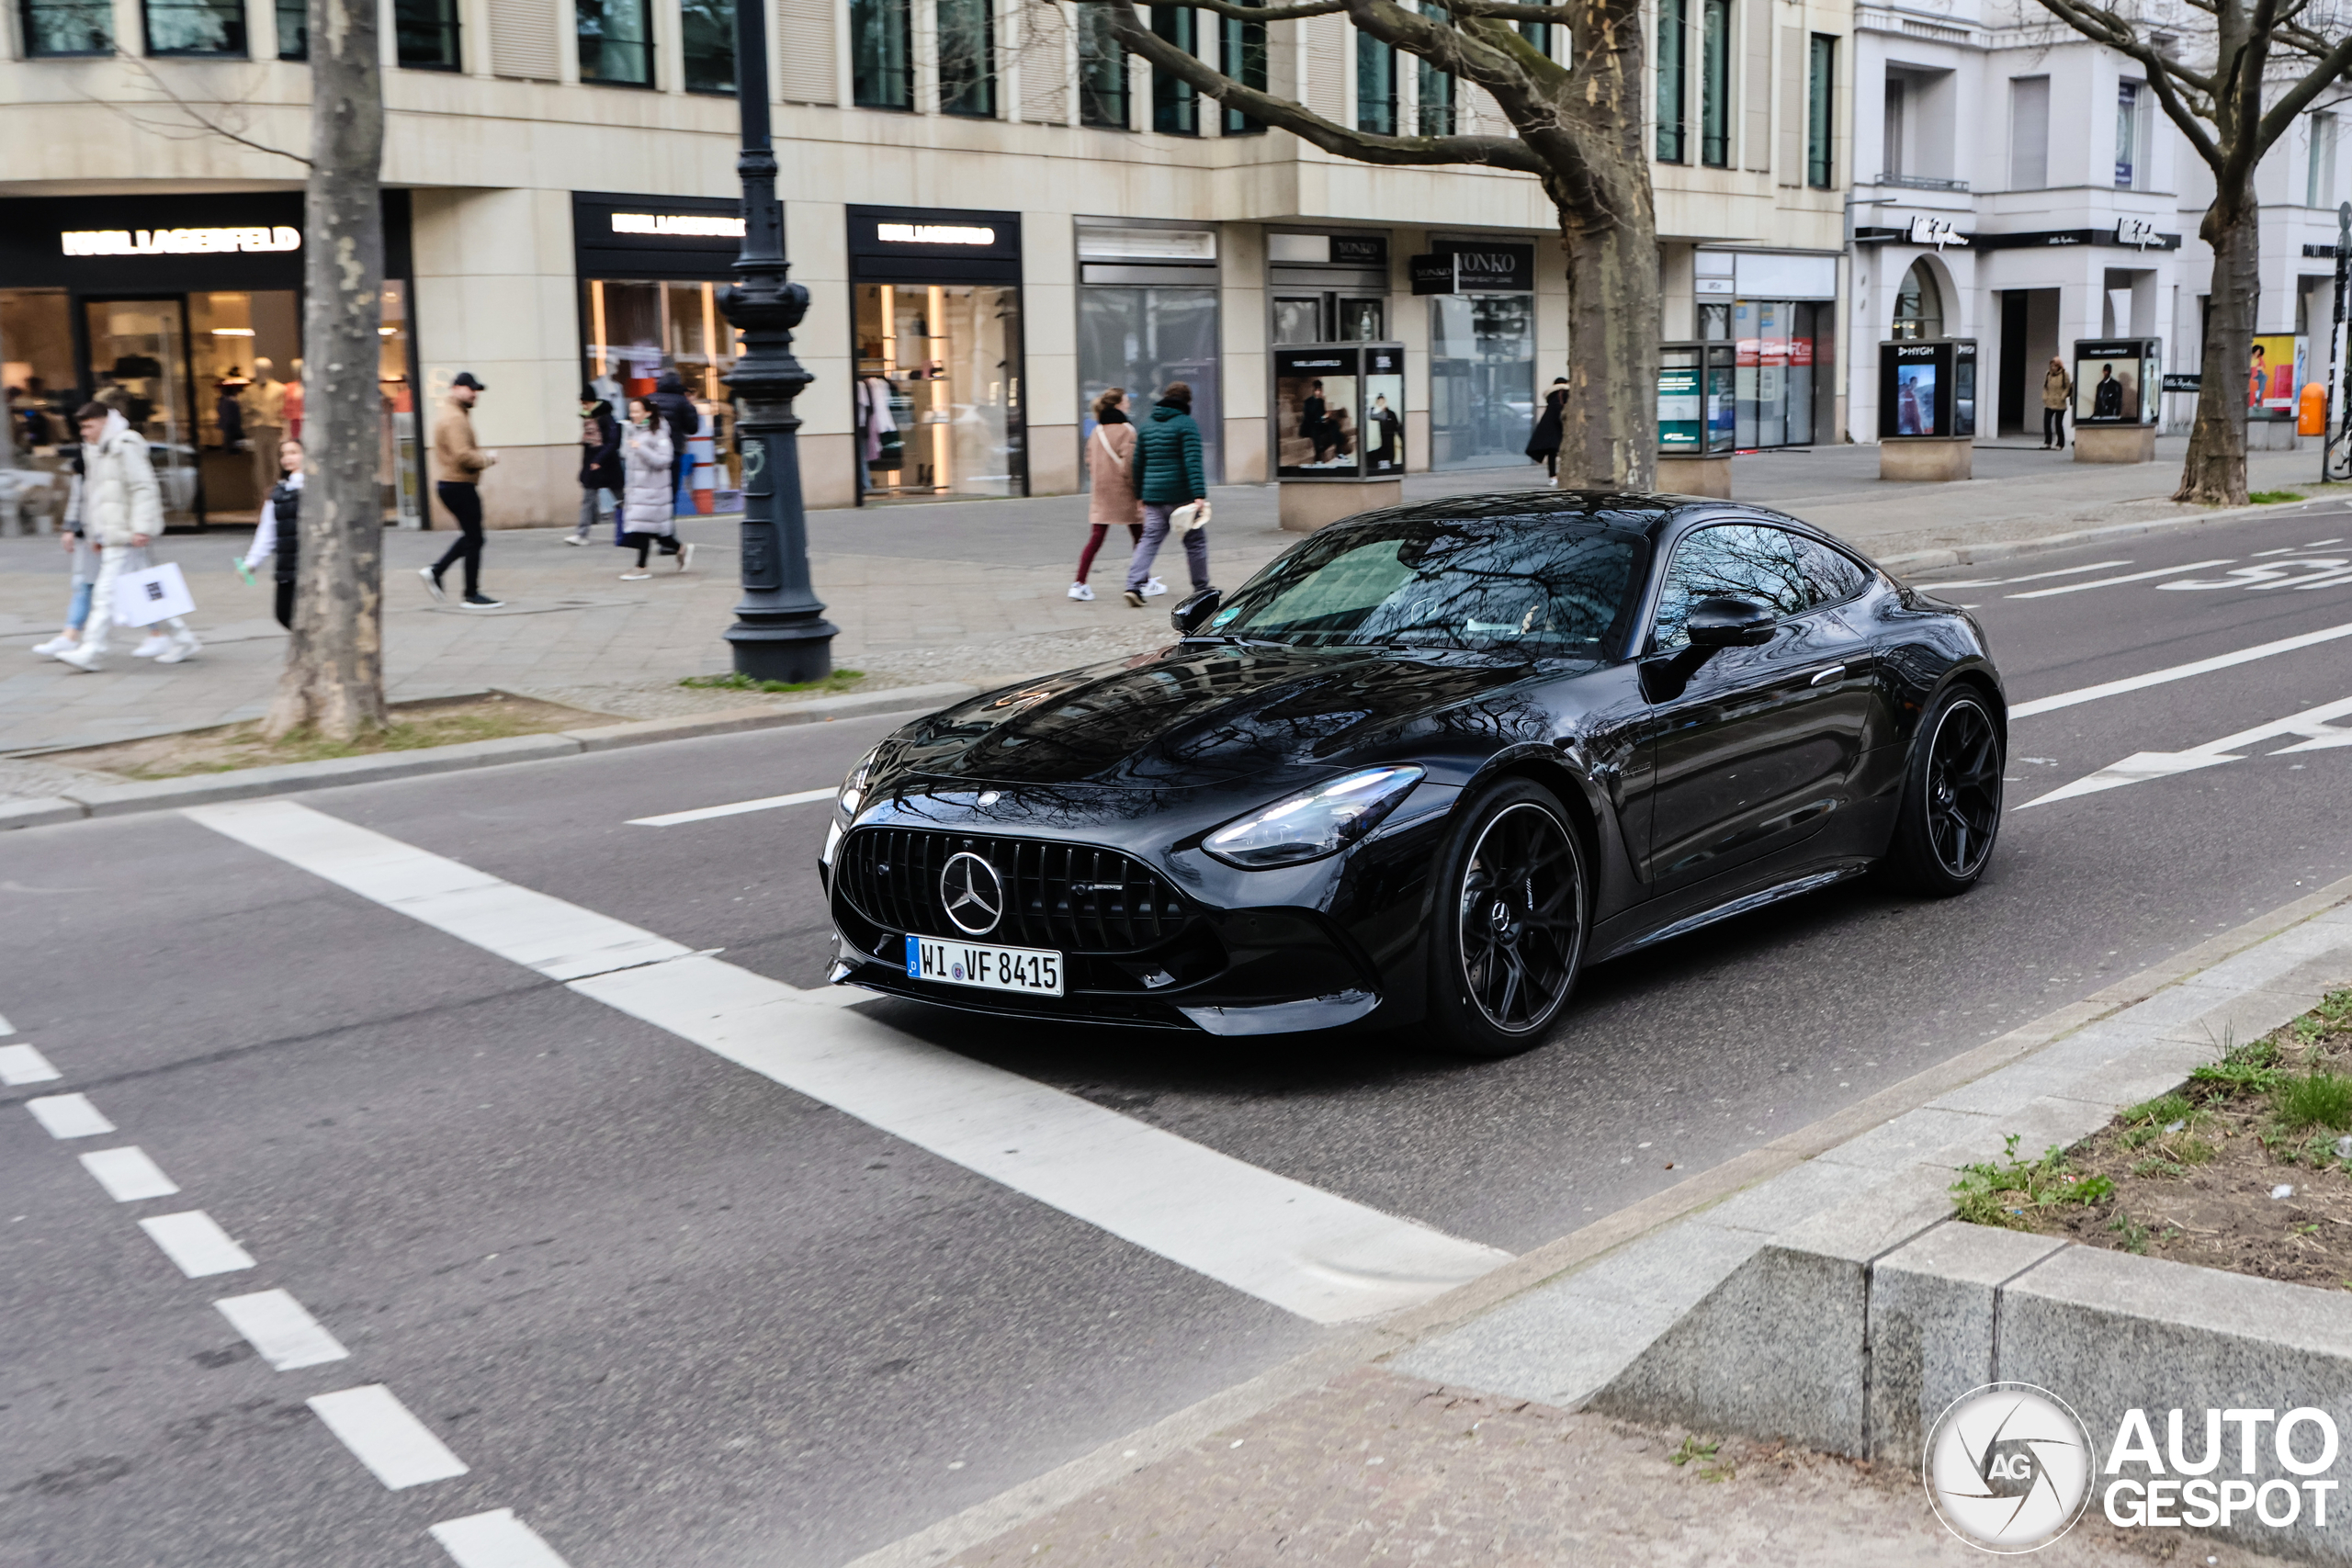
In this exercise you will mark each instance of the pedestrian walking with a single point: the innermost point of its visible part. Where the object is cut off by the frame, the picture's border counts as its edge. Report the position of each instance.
(2057, 395)
(278, 539)
(600, 463)
(1544, 446)
(121, 511)
(83, 574)
(648, 502)
(1111, 501)
(1170, 482)
(680, 417)
(460, 461)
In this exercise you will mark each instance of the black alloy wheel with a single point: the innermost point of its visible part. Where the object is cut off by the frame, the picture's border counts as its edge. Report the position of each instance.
(1512, 916)
(1952, 801)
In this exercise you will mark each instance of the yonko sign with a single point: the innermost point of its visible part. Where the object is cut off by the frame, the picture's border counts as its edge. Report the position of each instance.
(2009, 1468)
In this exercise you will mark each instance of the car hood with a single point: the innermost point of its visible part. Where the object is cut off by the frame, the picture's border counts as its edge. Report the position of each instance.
(1197, 713)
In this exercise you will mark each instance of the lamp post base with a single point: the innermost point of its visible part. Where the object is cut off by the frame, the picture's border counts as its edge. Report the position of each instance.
(793, 653)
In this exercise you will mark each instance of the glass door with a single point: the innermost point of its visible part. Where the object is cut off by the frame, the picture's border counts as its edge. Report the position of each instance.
(139, 363)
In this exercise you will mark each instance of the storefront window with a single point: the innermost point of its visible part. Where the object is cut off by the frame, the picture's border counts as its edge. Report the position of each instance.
(1918, 305)
(68, 27)
(1773, 384)
(1101, 72)
(244, 354)
(196, 27)
(425, 33)
(36, 380)
(707, 44)
(1482, 380)
(293, 30)
(938, 399)
(616, 43)
(639, 329)
(1143, 338)
(882, 70)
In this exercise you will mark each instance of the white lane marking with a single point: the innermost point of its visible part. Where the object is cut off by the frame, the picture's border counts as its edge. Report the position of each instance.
(2031, 577)
(277, 1325)
(495, 1540)
(704, 814)
(2315, 544)
(2142, 766)
(1301, 1248)
(127, 1175)
(197, 1242)
(381, 1434)
(22, 1063)
(2269, 574)
(68, 1115)
(2177, 671)
(2283, 549)
(5, 1027)
(2128, 577)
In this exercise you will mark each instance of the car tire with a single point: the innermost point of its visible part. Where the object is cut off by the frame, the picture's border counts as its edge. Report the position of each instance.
(1951, 812)
(1511, 914)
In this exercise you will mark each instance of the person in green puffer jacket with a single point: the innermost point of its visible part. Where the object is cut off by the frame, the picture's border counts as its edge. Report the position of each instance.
(1168, 474)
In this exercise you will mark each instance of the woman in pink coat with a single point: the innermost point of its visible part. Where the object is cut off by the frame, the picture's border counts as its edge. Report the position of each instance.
(1113, 496)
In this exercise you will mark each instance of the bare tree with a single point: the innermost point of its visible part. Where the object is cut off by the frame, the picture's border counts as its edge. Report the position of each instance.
(335, 668)
(1577, 127)
(2260, 64)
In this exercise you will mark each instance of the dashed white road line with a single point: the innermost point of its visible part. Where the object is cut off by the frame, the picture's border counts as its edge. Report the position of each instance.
(381, 1433)
(1307, 1251)
(197, 1242)
(2178, 672)
(704, 814)
(127, 1175)
(495, 1540)
(5, 1027)
(68, 1115)
(2319, 734)
(23, 1065)
(2030, 577)
(2128, 577)
(277, 1326)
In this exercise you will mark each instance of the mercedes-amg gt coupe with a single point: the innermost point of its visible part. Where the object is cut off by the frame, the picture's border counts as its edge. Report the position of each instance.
(1424, 767)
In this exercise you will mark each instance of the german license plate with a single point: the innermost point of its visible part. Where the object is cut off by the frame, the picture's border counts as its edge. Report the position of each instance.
(1028, 970)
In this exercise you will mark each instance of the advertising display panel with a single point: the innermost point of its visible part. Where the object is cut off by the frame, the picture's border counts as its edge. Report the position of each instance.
(2276, 369)
(1696, 407)
(1339, 411)
(2112, 377)
(1926, 388)
(1384, 412)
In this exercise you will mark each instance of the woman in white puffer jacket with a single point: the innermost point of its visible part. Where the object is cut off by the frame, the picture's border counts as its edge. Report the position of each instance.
(649, 505)
(122, 509)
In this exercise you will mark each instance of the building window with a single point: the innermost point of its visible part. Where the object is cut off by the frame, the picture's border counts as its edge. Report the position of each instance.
(196, 27)
(2028, 133)
(1375, 86)
(2320, 188)
(1820, 112)
(967, 57)
(1891, 148)
(1101, 72)
(1245, 61)
(293, 30)
(2127, 135)
(616, 43)
(425, 34)
(1539, 36)
(707, 44)
(1918, 305)
(1714, 84)
(1433, 86)
(882, 67)
(1673, 74)
(68, 27)
(1175, 103)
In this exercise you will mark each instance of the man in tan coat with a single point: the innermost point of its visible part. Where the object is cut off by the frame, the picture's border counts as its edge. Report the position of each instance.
(2057, 394)
(459, 461)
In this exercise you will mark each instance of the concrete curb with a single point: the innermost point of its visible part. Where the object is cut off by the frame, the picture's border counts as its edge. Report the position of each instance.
(286, 778)
(2005, 549)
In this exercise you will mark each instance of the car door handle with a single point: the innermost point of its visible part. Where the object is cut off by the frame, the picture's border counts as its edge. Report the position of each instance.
(1823, 677)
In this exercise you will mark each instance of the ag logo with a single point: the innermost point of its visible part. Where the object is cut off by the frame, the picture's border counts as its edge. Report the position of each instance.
(2009, 1468)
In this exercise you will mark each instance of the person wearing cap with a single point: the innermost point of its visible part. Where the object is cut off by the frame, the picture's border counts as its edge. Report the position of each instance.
(460, 462)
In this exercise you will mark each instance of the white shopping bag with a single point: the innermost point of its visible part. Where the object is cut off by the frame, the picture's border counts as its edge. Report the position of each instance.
(143, 598)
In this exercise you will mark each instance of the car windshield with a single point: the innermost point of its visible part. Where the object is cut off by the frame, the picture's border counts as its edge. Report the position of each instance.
(1534, 587)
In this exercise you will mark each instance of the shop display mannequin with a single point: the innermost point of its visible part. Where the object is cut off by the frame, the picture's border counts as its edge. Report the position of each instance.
(265, 406)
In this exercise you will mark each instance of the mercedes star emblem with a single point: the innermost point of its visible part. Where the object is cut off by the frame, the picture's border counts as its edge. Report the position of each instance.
(968, 886)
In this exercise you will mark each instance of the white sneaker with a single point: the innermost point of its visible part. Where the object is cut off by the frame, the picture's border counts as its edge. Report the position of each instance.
(82, 658)
(431, 583)
(1077, 590)
(152, 645)
(635, 576)
(575, 538)
(180, 649)
(685, 556)
(1154, 589)
(54, 646)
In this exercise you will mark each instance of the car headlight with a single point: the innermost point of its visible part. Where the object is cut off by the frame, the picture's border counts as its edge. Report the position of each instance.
(852, 792)
(1314, 823)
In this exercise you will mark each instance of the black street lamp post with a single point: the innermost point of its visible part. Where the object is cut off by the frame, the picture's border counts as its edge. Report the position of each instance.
(780, 631)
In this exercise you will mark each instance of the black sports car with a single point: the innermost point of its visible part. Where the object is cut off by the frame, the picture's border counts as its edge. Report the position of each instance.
(1427, 764)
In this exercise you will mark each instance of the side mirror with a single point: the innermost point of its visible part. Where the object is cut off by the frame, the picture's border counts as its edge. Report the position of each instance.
(1730, 623)
(1192, 613)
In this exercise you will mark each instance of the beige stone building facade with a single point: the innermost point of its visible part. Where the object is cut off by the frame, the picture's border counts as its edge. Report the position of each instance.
(994, 220)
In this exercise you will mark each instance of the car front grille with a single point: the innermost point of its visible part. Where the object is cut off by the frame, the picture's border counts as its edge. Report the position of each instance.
(1070, 898)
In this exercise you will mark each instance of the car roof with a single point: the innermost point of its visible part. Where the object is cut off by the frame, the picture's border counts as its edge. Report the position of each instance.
(1635, 512)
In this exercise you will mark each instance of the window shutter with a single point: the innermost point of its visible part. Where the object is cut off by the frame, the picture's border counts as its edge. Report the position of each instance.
(1328, 38)
(1757, 87)
(522, 40)
(1045, 63)
(1792, 106)
(810, 56)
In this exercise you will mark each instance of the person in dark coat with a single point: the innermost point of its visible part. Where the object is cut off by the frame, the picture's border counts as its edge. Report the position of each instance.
(1315, 420)
(2107, 398)
(1544, 446)
(678, 414)
(600, 462)
(1169, 474)
(278, 536)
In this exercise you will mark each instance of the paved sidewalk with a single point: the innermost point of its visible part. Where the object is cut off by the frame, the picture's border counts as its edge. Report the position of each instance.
(966, 591)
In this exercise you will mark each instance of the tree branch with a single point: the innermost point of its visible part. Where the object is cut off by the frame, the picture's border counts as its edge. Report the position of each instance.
(203, 121)
(2331, 65)
(2165, 76)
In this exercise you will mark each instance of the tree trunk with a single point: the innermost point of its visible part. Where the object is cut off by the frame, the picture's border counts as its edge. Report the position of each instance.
(1609, 429)
(2215, 471)
(335, 664)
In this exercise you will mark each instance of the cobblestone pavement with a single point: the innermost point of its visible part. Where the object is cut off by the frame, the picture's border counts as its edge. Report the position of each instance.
(1373, 1468)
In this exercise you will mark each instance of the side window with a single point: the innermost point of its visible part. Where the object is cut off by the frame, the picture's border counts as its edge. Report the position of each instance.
(1831, 578)
(1735, 560)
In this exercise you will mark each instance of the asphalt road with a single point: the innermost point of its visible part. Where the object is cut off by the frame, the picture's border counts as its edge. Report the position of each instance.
(670, 1311)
